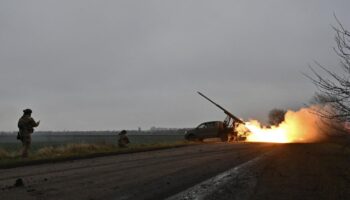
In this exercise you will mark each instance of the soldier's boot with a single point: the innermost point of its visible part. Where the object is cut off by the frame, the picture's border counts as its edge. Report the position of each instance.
(25, 151)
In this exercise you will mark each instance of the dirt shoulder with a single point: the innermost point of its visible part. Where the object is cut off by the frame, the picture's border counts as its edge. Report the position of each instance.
(305, 171)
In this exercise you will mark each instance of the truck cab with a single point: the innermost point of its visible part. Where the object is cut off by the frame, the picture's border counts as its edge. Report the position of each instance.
(212, 129)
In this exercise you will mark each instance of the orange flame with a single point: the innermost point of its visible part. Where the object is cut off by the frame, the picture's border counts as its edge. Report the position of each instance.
(299, 126)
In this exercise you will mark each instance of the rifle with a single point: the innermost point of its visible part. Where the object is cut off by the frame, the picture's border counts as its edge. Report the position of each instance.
(19, 136)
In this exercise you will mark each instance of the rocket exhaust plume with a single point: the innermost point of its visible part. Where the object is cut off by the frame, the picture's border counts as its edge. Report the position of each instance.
(298, 126)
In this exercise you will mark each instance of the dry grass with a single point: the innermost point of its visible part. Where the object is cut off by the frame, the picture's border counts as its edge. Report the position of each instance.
(74, 149)
(51, 153)
(4, 154)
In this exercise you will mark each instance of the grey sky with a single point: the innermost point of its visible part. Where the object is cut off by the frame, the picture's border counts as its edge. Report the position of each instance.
(110, 65)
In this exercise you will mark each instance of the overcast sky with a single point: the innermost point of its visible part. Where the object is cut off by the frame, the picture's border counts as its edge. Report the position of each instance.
(111, 65)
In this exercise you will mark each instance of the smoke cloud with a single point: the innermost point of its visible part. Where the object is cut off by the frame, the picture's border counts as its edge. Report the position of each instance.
(304, 125)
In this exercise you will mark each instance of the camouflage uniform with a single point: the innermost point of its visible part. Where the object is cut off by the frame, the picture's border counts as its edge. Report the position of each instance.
(26, 126)
(123, 139)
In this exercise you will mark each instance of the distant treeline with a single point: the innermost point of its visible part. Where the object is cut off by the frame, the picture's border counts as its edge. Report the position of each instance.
(131, 132)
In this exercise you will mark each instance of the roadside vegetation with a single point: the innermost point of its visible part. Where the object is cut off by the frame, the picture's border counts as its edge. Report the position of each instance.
(11, 158)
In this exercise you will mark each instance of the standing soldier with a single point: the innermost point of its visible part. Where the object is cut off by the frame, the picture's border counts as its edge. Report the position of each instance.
(26, 126)
(123, 139)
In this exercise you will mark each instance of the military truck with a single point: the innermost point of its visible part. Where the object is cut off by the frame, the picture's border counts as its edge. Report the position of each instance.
(225, 130)
(213, 129)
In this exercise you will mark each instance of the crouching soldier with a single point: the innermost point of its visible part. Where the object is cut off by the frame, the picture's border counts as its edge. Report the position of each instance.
(26, 126)
(123, 139)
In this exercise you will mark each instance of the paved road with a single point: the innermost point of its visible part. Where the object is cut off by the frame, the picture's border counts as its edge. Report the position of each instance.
(147, 175)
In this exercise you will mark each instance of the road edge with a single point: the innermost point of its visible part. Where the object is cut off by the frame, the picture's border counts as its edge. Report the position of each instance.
(236, 183)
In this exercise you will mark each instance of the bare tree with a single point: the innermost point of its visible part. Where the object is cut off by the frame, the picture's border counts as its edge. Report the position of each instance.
(334, 86)
(276, 116)
(330, 126)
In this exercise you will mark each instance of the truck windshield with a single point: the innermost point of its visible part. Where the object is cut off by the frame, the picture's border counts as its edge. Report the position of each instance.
(202, 126)
(211, 125)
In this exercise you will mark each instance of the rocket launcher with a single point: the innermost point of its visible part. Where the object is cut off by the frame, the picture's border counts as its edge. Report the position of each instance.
(236, 119)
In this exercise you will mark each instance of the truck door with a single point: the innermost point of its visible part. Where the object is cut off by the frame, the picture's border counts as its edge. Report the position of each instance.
(211, 130)
(201, 130)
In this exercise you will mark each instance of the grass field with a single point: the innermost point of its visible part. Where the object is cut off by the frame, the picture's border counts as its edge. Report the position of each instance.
(10, 143)
(11, 158)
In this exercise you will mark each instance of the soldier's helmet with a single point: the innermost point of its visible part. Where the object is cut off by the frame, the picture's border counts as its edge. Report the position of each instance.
(123, 132)
(27, 111)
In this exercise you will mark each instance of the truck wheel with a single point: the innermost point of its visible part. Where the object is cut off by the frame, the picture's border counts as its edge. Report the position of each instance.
(224, 137)
(191, 138)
